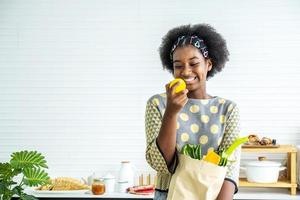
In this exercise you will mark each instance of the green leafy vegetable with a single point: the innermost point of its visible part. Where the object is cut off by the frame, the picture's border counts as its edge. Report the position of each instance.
(192, 150)
(27, 163)
(225, 154)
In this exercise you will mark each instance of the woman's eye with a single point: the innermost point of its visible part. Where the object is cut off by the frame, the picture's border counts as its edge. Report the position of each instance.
(194, 64)
(178, 67)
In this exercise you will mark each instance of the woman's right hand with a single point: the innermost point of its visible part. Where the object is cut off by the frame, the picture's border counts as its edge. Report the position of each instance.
(175, 101)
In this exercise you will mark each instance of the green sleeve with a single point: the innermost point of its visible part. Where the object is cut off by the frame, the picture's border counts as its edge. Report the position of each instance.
(153, 122)
(232, 132)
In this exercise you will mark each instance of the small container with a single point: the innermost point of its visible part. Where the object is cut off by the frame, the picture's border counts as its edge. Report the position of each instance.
(98, 187)
(123, 186)
(109, 181)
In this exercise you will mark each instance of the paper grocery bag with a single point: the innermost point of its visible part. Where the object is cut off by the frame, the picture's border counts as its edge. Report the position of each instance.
(196, 180)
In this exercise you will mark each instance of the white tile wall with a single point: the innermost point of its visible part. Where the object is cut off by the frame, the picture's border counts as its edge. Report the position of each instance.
(75, 75)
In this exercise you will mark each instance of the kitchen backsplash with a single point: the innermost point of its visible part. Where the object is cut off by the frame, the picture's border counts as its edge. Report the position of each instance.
(74, 84)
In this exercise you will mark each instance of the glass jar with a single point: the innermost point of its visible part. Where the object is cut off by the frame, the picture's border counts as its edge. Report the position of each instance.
(98, 187)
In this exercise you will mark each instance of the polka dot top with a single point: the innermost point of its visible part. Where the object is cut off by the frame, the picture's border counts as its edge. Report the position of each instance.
(213, 123)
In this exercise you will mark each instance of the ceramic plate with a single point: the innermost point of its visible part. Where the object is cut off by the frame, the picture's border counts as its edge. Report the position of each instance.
(59, 191)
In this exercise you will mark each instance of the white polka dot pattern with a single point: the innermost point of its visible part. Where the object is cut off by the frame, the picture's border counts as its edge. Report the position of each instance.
(194, 128)
(211, 122)
(184, 117)
(194, 108)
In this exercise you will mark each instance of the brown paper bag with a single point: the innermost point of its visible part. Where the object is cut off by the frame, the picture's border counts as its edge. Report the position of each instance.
(196, 180)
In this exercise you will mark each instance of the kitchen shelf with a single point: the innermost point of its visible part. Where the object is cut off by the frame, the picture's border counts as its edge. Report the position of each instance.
(280, 184)
(290, 181)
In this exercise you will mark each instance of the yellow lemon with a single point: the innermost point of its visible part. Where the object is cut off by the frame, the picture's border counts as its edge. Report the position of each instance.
(181, 85)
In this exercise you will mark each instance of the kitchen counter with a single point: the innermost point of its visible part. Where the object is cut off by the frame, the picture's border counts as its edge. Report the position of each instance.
(266, 194)
(89, 195)
(243, 194)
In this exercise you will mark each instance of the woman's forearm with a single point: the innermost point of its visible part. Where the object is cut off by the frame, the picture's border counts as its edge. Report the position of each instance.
(167, 136)
(227, 191)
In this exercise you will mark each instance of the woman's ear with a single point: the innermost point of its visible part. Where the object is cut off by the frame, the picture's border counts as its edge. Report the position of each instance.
(209, 64)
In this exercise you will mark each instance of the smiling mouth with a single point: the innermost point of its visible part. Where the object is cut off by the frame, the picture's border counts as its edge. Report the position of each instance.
(190, 80)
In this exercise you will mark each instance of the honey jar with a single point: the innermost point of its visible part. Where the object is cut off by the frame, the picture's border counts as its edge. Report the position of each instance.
(98, 187)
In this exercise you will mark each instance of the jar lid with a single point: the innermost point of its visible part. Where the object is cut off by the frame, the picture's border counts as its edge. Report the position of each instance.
(97, 180)
(108, 176)
(263, 163)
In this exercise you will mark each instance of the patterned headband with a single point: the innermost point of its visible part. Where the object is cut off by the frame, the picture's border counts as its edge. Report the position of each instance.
(192, 40)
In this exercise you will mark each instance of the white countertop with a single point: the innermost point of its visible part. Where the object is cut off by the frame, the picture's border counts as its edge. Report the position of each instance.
(70, 194)
(243, 194)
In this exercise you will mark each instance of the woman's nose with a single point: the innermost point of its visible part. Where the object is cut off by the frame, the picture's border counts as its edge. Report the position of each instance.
(186, 71)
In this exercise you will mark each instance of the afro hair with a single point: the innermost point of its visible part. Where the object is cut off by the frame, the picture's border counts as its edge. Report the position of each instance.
(216, 45)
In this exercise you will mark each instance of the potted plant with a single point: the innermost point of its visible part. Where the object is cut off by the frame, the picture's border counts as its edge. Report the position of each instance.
(27, 164)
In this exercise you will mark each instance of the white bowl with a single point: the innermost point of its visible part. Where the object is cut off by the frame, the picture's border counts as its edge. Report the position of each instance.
(262, 171)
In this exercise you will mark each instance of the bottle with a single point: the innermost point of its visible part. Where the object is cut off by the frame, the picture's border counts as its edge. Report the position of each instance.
(126, 173)
(98, 187)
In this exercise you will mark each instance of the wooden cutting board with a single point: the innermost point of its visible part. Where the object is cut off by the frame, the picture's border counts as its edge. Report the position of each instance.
(260, 146)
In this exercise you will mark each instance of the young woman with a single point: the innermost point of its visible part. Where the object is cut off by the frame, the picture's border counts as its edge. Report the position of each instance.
(193, 53)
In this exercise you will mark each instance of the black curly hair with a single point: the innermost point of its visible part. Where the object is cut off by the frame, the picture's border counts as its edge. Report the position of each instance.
(216, 45)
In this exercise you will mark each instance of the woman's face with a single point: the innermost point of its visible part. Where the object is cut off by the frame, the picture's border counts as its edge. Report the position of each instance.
(190, 65)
